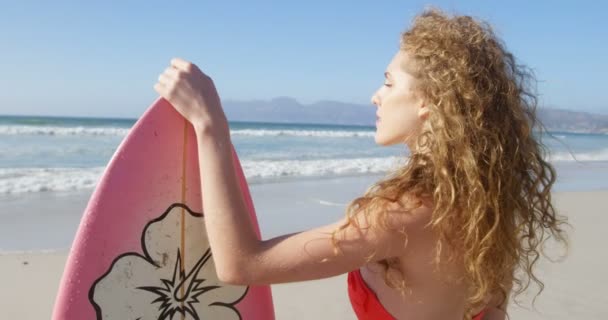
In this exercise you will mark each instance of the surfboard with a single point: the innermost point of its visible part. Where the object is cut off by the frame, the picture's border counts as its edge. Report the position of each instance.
(141, 250)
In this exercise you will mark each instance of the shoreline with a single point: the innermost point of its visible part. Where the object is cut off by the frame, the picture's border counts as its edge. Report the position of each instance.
(52, 218)
(584, 175)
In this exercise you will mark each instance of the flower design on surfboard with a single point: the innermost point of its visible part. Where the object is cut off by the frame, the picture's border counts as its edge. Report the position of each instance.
(168, 282)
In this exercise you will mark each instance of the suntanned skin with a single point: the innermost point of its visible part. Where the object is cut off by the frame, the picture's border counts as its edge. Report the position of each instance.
(241, 258)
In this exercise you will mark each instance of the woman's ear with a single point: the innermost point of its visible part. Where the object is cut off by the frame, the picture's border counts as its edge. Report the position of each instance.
(423, 111)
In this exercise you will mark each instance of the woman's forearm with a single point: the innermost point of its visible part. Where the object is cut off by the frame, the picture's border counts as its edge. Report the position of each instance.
(229, 228)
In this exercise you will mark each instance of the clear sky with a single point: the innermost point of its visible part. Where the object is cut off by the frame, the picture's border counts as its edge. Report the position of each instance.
(85, 58)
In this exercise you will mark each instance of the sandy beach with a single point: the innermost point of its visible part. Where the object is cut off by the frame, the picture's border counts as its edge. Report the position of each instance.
(574, 288)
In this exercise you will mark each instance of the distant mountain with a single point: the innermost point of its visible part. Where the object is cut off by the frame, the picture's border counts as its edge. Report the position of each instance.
(573, 121)
(289, 110)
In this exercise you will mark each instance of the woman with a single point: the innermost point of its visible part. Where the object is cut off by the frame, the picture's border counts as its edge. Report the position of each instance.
(440, 238)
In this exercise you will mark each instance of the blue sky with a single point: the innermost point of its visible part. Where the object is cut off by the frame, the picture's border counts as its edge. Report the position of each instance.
(102, 59)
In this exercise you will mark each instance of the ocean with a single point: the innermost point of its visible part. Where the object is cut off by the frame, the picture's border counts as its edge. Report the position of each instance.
(45, 154)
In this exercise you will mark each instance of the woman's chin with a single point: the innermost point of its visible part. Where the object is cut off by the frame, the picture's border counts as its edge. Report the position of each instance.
(379, 140)
(386, 141)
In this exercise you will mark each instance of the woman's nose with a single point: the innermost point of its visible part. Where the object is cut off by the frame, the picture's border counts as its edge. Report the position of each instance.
(375, 99)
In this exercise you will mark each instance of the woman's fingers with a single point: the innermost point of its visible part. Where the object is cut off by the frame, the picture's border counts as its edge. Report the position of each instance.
(171, 81)
(191, 92)
(165, 79)
(173, 72)
(182, 65)
(160, 89)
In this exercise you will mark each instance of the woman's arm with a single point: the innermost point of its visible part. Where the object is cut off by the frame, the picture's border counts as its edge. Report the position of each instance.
(242, 259)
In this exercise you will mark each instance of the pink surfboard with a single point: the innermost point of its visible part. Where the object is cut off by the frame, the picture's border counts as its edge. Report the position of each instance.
(141, 250)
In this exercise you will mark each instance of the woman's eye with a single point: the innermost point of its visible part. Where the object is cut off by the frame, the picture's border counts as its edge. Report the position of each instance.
(388, 85)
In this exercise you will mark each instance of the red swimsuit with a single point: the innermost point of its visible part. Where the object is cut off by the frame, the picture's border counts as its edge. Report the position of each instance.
(365, 302)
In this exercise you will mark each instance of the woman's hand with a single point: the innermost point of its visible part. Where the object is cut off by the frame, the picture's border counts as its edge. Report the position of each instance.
(193, 94)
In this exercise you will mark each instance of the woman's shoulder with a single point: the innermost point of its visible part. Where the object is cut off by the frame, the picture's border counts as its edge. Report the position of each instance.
(409, 203)
(409, 213)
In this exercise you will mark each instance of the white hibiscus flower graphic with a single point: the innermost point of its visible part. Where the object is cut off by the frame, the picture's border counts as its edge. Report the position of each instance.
(174, 279)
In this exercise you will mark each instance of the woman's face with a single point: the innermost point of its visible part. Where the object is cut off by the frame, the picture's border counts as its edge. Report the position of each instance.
(400, 111)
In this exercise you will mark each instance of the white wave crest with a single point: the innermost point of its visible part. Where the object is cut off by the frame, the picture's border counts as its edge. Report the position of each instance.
(599, 155)
(261, 169)
(301, 133)
(24, 180)
(62, 131)
(114, 131)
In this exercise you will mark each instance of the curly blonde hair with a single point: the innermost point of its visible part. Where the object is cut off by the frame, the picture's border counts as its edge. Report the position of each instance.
(483, 167)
